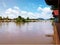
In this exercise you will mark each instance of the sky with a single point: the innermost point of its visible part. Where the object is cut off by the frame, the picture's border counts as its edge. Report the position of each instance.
(25, 8)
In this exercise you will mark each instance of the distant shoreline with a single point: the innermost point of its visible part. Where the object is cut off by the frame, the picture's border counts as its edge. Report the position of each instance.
(25, 21)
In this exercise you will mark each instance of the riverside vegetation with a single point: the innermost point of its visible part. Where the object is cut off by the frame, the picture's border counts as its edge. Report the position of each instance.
(18, 19)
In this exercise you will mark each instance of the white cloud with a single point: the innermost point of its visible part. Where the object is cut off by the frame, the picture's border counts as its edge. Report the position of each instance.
(23, 12)
(15, 7)
(15, 12)
(39, 9)
(12, 13)
(45, 12)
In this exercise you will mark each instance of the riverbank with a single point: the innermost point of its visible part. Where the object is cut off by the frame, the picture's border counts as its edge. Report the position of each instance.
(18, 21)
(25, 20)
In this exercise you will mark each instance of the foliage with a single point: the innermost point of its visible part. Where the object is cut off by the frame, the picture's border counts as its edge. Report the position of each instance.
(20, 19)
(0, 18)
(27, 18)
(17, 19)
(54, 7)
(51, 18)
(6, 18)
(23, 20)
(53, 3)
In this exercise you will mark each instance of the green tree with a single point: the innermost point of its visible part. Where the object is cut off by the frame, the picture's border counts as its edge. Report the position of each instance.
(7, 18)
(23, 20)
(27, 18)
(0, 18)
(51, 18)
(19, 17)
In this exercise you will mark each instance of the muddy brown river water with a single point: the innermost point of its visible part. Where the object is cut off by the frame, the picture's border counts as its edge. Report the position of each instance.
(26, 33)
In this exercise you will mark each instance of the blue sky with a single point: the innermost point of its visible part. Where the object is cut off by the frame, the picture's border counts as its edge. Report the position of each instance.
(25, 8)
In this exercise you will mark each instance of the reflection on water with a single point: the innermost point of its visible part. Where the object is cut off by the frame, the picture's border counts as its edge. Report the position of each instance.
(31, 32)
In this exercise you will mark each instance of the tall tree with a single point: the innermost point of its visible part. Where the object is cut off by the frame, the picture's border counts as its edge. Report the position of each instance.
(19, 17)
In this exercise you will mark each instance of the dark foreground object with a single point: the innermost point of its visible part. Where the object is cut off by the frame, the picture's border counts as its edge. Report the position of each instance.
(58, 29)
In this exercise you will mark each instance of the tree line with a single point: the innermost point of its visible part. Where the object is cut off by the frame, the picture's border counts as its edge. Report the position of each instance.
(18, 19)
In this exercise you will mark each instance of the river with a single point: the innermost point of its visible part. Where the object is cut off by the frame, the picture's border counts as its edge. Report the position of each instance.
(26, 33)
